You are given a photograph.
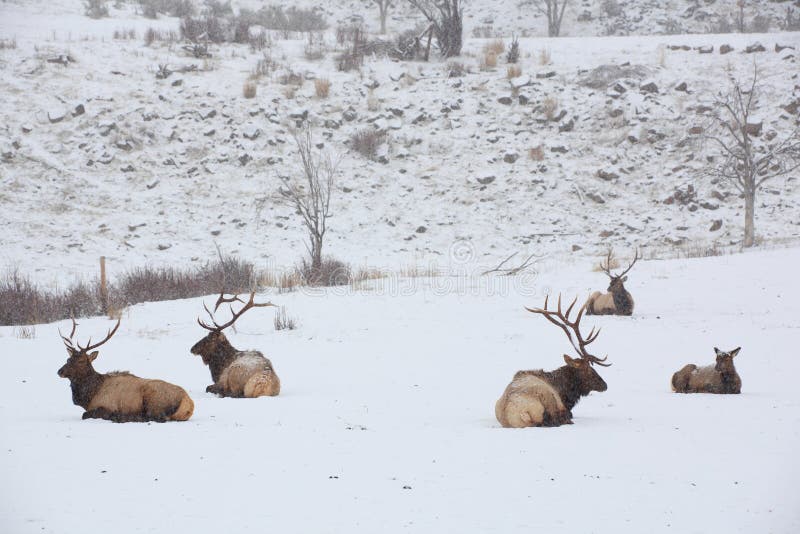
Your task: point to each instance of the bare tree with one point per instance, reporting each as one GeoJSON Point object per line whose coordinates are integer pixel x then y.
{"type": "Point", "coordinates": [310, 194]}
{"type": "Point", "coordinates": [446, 18]}
{"type": "Point", "coordinates": [748, 159]}
{"type": "Point", "coordinates": [383, 10]}
{"type": "Point", "coordinates": [554, 11]}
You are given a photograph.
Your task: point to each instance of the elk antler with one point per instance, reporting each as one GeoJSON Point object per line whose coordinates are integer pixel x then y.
{"type": "Point", "coordinates": [247, 305]}
{"type": "Point", "coordinates": [636, 258]}
{"type": "Point", "coordinates": [607, 267]}
{"type": "Point", "coordinates": [77, 346]}
{"type": "Point", "coordinates": [562, 321]}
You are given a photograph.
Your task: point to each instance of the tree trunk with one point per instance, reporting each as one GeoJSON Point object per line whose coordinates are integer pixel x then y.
{"type": "Point", "coordinates": [749, 211]}
{"type": "Point", "coordinates": [383, 21]}
{"type": "Point", "coordinates": [316, 255]}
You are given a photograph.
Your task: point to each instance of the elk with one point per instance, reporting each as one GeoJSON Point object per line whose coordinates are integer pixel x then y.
{"type": "Point", "coordinates": [719, 378]}
{"type": "Point", "coordinates": [119, 396]}
{"type": "Point", "coordinates": [617, 301]}
{"type": "Point", "coordinates": [546, 398]}
{"type": "Point", "coordinates": [235, 373]}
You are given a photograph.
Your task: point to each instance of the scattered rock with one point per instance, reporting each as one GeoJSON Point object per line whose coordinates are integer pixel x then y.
{"type": "Point", "coordinates": [78, 110]}
{"type": "Point", "coordinates": [755, 47]}
{"type": "Point", "coordinates": [682, 87]}
{"type": "Point", "coordinates": [607, 176]}
{"type": "Point", "coordinates": [521, 81]}
{"type": "Point", "coordinates": [510, 156]}
{"type": "Point", "coordinates": [524, 99]}
{"type": "Point", "coordinates": [208, 114]}
{"type": "Point", "coordinates": [709, 205]}
{"type": "Point", "coordinates": [708, 49]}
{"type": "Point", "coordinates": [251, 132]}
{"type": "Point", "coordinates": [559, 149]}
{"type": "Point", "coordinates": [421, 229]}
{"type": "Point", "coordinates": [682, 196]}
{"type": "Point", "coordinates": [780, 48]}
{"type": "Point", "coordinates": [649, 87]}
{"type": "Point", "coordinates": [545, 75]}
{"type": "Point", "coordinates": [486, 180]}
{"type": "Point", "coordinates": [163, 246]}
{"type": "Point", "coordinates": [505, 100]}
{"type": "Point", "coordinates": [595, 197]}
{"type": "Point", "coordinates": [127, 168]}
{"type": "Point", "coordinates": [56, 115]}
{"type": "Point", "coordinates": [567, 126]}
{"type": "Point", "coordinates": [576, 248]}
{"type": "Point", "coordinates": [716, 225]}
{"type": "Point", "coordinates": [244, 159]}
{"type": "Point", "coordinates": [753, 128]}
{"type": "Point", "coordinates": [349, 114]}
{"type": "Point", "coordinates": [696, 130]}
{"type": "Point", "coordinates": [725, 49]}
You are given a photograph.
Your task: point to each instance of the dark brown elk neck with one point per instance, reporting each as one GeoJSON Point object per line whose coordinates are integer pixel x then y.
{"type": "Point", "coordinates": [623, 301]}
{"type": "Point", "coordinates": [220, 358]}
{"type": "Point", "coordinates": [729, 378]}
{"type": "Point", "coordinates": [566, 381]}
{"type": "Point", "coordinates": [85, 387]}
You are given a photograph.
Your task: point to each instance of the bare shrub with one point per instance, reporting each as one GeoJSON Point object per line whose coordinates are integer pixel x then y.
{"type": "Point", "coordinates": [215, 8]}
{"type": "Point", "coordinates": [315, 48]}
{"type": "Point", "coordinates": [611, 8]}
{"type": "Point", "coordinates": [292, 78]}
{"type": "Point", "coordinates": [264, 67]}
{"type": "Point", "coordinates": [331, 272]}
{"type": "Point", "coordinates": [24, 302]}
{"type": "Point", "coordinates": [152, 35]}
{"type": "Point", "coordinates": [124, 34]}
{"type": "Point", "coordinates": [25, 332]}
{"type": "Point", "coordinates": [353, 57]}
{"type": "Point", "coordinates": [366, 142]}
{"type": "Point", "coordinates": [250, 89]}
{"type": "Point", "coordinates": [791, 22]}
{"type": "Point", "coordinates": [761, 23]}
{"type": "Point", "coordinates": [513, 71]}
{"type": "Point", "coordinates": [446, 20]}
{"type": "Point", "coordinates": [8, 44]}
{"type": "Point", "coordinates": [283, 321]}
{"type": "Point", "coordinates": [96, 9]}
{"type": "Point", "coordinates": [350, 33]}
{"type": "Point", "coordinates": [513, 51]}
{"type": "Point", "coordinates": [322, 87]}
{"type": "Point", "coordinates": [456, 69]}
{"type": "Point", "coordinates": [260, 41]}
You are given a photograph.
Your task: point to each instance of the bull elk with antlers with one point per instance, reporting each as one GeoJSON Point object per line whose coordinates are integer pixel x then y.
{"type": "Point", "coordinates": [546, 398]}
{"type": "Point", "coordinates": [236, 373]}
{"type": "Point", "coordinates": [617, 301]}
{"type": "Point", "coordinates": [120, 396]}
{"type": "Point", "coordinates": [719, 378]}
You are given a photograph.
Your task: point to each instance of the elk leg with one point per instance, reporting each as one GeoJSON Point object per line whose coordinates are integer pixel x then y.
{"type": "Point", "coordinates": [214, 388]}
{"type": "Point", "coordinates": [97, 413]}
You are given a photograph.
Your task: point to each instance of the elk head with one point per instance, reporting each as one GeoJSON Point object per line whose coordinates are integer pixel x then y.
{"type": "Point", "coordinates": [725, 360]}
{"type": "Point", "coordinates": [617, 280]}
{"type": "Point", "coordinates": [215, 339]}
{"type": "Point", "coordinates": [80, 358]}
{"type": "Point", "coordinates": [588, 378]}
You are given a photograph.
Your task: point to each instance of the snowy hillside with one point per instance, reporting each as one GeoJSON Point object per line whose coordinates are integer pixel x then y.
{"type": "Point", "coordinates": [385, 421]}
{"type": "Point", "coordinates": [100, 157]}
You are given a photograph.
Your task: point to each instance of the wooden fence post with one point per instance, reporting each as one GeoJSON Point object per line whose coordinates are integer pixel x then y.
{"type": "Point", "coordinates": [103, 285]}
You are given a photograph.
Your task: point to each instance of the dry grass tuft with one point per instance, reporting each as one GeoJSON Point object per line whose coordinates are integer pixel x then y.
{"type": "Point", "coordinates": [544, 56]}
{"type": "Point", "coordinates": [536, 153]}
{"type": "Point", "coordinates": [496, 47]}
{"type": "Point", "coordinates": [322, 87]}
{"type": "Point", "coordinates": [513, 71]}
{"type": "Point", "coordinates": [250, 89]}
{"type": "Point", "coordinates": [283, 321]}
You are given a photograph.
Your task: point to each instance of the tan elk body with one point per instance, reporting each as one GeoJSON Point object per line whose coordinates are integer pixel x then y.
{"type": "Point", "coordinates": [618, 301]}
{"type": "Point", "coordinates": [120, 396]}
{"type": "Point", "coordinates": [718, 378]}
{"type": "Point", "coordinates": [235, 373]}
{"type": "Point", "coordinates": [546, 398]}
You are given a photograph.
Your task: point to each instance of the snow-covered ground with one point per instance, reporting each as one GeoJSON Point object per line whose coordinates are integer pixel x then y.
{"type": "Point", "coordinates": [159, 171]}
{"type": "Point", "coordinates": [385, 421]}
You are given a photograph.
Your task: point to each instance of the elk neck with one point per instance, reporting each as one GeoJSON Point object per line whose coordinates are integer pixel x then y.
{"type": "Point", "coordinates": [85, 387]}
{"type": "Point", "coordinates": [567, 382]}
{"type": "Point", "coordinates": [623, 302]}
{"type": "Point", "coordinates": [220, 357]}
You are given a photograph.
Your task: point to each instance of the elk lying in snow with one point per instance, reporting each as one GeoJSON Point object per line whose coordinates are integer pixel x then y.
{"type": "Point", "coordinates": [235, 373]}
{"type": "Point", "coordinates": [719, 378]}
{"type": "Point", "coordinates": [546, 398]}
{"type": "Point", "coordinates": [617, 301]}
{"type": "Point", "coordinates": [120, 396]}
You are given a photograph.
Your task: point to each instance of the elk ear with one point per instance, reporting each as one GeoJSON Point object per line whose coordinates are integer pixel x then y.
{"type": "Point", "coordinates": [735, 351]}
{"type": "Point", "coordinates": [624, 278]}
{"type": "Point", "coordinates": [92, 355]}
{"type": "Point", "coordinates": [718, 352]}
{"type": "Point", "coordinates": [571, 361]}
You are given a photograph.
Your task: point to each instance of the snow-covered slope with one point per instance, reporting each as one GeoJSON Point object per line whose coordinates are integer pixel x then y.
{"type": "Point", "coordinates": [385, 421]}
{"type": "Point", "coordinates": [158, 171]}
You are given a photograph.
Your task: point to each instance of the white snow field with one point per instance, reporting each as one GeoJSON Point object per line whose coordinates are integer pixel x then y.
{"type": "Point", "coordinates": [385, 422]}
